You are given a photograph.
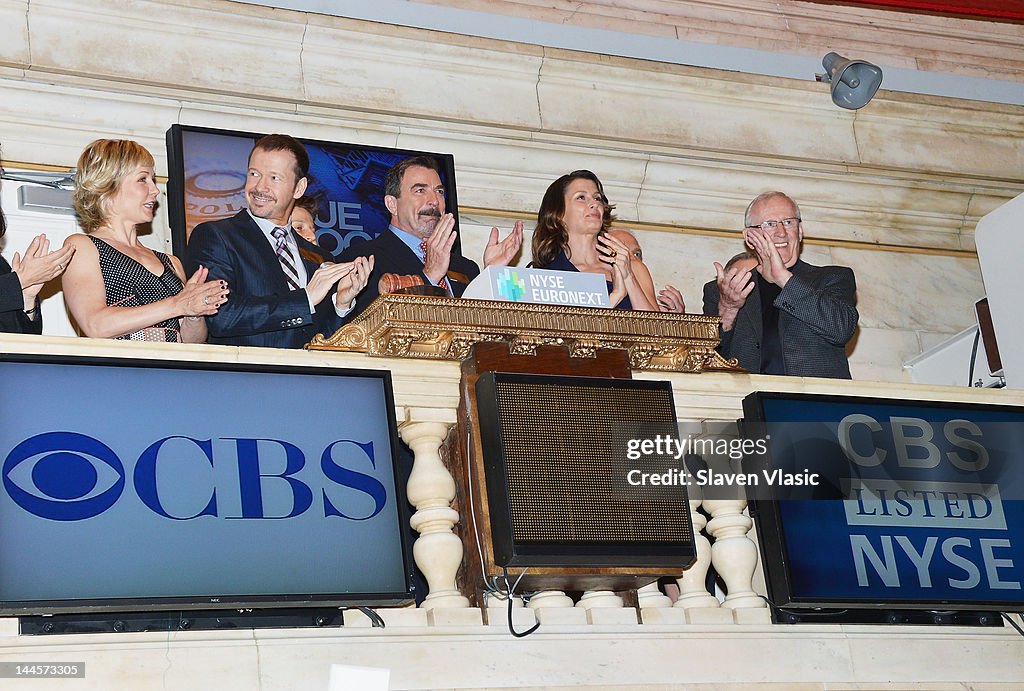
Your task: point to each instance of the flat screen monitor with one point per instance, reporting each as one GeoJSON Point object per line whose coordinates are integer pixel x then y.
{"type": "Point", "coordinates": [892, 504]}
{"type": "Point", "coordinates": [132, 485]}
{"type": "Point", "coordinates": [207, 183]}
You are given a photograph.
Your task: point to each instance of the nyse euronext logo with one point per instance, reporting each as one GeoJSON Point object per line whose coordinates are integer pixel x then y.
{"type": "Point", "coordinates": [67, 476]}
{"type": "Point", "coordinates": [510, 286]}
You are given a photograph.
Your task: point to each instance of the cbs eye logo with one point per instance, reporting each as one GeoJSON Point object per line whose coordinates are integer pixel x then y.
{"type": "Point", "coordinates": [63, 476]}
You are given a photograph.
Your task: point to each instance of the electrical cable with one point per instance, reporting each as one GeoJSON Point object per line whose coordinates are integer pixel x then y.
{"type": "Point", "coordinates": [815, 612]}
{"type": "Point", "coordinates": [491, 587]}
{"type": "Point", "coordinates": [375, 619]}
{"type": "Point", "coordinates": [511, 601]}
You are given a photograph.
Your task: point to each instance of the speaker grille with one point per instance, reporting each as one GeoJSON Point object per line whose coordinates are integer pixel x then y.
{"type": "Point", "coordinates": [559, 458]}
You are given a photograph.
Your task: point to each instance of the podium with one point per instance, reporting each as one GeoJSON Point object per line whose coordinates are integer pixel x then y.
{"type": "Point", "coordinates": [442, 328]}
{"type": "Point", "coordinates": [530, 340]}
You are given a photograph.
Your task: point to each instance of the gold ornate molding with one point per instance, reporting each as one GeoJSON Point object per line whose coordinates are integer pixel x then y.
{"type": "Point", "coordinates": [438, 328]}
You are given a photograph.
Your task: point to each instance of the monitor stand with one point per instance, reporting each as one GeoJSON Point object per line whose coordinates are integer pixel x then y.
{"type": "Point", "coordinates": [182, 620]}
{"type": "Point", "coordinates": [917, 617]}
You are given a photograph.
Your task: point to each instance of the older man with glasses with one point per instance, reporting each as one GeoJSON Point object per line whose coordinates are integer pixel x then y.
{"type": "Point", "coordinates": [783, 316]}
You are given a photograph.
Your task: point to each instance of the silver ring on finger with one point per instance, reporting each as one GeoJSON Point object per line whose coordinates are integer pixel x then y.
{"type": "Point", "coordinates": [206, 300]}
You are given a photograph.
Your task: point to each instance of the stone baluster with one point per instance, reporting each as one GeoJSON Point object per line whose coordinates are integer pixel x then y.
{"type": "Point", "coordinates": [599, 598]}
{"type": "Point", "coordinates": [605, 607]}
{"type": "Point", "coordinates": [551, 598]}
{"type": "Point", "coordinates": [649, 596]}
{"type": "Point", "coordinates": [693, 592]}
{"type": "Point", "coordinates": [497, 613]}
{"type": "Point", "coordinates": [733, 554]}
{"type": "Point", "coordinates": [554, 607]}
{"type": "Point", "coordinates": [431, 489]}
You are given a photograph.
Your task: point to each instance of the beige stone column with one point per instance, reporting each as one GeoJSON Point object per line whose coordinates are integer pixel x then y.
{"type": "Point", "coordinates": [650, 596]}
{"type": "Point", "coordinates": [431, 489]}
{"type": "Point", "coordinates": [693, 592]}
{"type": "Point", "coordinates": [733, 554]}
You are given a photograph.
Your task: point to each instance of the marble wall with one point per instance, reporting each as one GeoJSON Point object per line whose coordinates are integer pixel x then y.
{"type": "Point", "coordinates": [893, 190]}
{"type": "Point", "coordinates": [899, 39]}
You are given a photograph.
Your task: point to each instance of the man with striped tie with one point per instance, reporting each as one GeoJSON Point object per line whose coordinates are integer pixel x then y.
{"type": "Point", "coordinates": [282, 292]}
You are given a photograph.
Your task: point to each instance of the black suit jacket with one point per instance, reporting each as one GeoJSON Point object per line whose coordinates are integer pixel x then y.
{"type": "Point", "coordinates": [12, 317]}
{"type": "Point", "coordinates": [392, 256]}
{"type": "Point", "coordinates": [817, 317]}
{"type": "Point", "coordinates": [261, 310]}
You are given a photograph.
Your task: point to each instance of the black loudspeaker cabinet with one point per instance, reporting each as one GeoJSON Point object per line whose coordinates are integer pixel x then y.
{"type": "Point", "coordinates": [557, 473]}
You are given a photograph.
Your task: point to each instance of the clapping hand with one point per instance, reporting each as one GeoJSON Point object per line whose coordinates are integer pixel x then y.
{"type": "Point", "coordinates": [39, 265]}
{"type": "Point", "coordinates": [734, 286]}
{"type": "Point", "coordinates": [323, 280]}
{"type": "Point", "coordinates": [613, 252]}
{"type": "Point", "coordinates": [352, 283]}
{"type": "Point", "coordinates": [502, 253]}
{"type": "Point", "coordinates": [202, 298]}
{"type": "Point", "coordinates": [771, 267]}
{"type": "Point", "coordinates": [438, 254]}
{"type": "Point", "coordinates": [671, 300]}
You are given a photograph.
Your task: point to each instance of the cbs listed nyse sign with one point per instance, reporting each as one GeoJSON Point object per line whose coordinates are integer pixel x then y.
{"type": "Point", "coordinates": [931, 498]}
{"type": "Point", "coordinates": [962, 507]}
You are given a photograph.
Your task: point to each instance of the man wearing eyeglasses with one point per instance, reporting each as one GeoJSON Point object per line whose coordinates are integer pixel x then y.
{"type": "Point", "coordinates": [783, 316]}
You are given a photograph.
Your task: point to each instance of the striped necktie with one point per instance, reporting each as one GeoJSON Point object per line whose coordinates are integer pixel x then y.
{"type": "Point", "coordinates": [285, 257]}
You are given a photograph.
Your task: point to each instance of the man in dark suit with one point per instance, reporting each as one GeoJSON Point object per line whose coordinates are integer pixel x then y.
{"type": "Point", "coordinates": [282, 291]}
{"type": "Point", "coordinates": [783, 316]}
{"type": "Point", "coordinates": [421, 235]}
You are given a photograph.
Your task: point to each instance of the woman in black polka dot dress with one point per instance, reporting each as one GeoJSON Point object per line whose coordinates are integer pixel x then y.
{"type": "Point", "coordinates": [115, 287]}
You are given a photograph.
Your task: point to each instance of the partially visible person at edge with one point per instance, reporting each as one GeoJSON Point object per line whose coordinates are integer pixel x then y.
{"type": "Point", "coordinates": [669, 297]}
{"type": "Point", "coordinates": [572, 235]}
{"type": "Point", "coordinates": [671, 300]}
{"type": "Point", "coordinates": [23, 278]}
{"type": "Point", "coordinates": [303, 218]}
{"type": "Point", "coordinates": [116, 287]}
{"type": "Point", "coordinates": [793, 318]}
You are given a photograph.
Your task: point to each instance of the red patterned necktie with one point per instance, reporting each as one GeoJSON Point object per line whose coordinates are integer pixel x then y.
{"type": "Point", "coordinates": [285, 257]}
{"type": "Point", "coordinates": [444, 281]}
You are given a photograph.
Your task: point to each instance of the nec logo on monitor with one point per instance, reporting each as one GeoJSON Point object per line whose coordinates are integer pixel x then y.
{"type": "Point", "coordinates": [67, 476]}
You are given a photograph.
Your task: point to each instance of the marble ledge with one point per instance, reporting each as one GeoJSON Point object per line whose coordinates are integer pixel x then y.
{"type": "Point", "coordinates": [473, 625]}
{"type": "Point", "coordinates": [725, 389]}
{"type": "Point", "coordinates": [410, 415]}
{"type": "Point", "coordinates": [873, 203]}
{"type": "Point", "coordinates": [522, 617]}
{"type": "Point", "coordinates": [883, 36]}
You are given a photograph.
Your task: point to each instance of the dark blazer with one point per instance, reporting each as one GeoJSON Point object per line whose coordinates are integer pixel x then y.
{"type": "Point", "coordinates": [261, 310]}
{"type": "Point", "coordinates": [12, 304]}
{"type": "Point", "coordinates": [392, 256]}
{"type": "Point", "coordinates": [817, 317]}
